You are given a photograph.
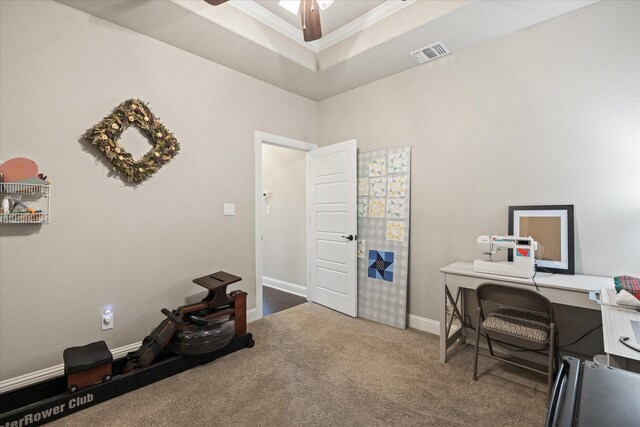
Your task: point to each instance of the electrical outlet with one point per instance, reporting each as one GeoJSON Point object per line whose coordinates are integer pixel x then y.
{"type": "Point", "coordinates": [107, 320]}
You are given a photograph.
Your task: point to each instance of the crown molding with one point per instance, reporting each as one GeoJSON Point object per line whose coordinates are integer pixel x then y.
{"type": "Point", "coordinates": [360, 23]}
{"type": "Point", "coordinates": [270, 19]}
{"type": "Point", "coordinates": [273, 21]}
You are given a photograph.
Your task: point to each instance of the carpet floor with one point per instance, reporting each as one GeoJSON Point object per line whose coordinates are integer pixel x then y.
{"type": "Point", "coordinates": [312, 366]}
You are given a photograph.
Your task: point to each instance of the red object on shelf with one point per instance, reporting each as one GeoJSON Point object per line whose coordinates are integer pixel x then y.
{"type": "Point", "coordinates": [18, 168]}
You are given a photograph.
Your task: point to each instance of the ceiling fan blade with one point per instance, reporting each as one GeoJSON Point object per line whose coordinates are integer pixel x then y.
{"type": "Point", "coordinates": [310, 15]}
{"type": "Point", "coordinates": [215, 2]}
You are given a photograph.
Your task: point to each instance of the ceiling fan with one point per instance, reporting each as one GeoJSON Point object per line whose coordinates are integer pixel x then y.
{"type": "Point", "coordinates": [309, 15]}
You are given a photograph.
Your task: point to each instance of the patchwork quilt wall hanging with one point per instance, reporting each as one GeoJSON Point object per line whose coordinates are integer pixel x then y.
{"type": "Point", "coordinates": [383, 235]}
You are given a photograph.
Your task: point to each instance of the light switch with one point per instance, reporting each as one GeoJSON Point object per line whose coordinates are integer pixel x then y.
{"type": "Point", "coordinates": [268, 210]}
{"type": "Point", "coordinates": [229, 209]}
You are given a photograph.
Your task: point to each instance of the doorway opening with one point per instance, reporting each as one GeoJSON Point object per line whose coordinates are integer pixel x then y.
{"type": "Point", "coordinates": [282, 222]}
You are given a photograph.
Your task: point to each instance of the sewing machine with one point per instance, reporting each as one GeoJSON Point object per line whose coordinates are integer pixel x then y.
{"type": "Point", "coordinates": [523, 264]}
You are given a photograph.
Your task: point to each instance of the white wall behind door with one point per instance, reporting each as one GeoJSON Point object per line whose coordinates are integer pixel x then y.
{"type": "Point", "coordinates": [284, 231]}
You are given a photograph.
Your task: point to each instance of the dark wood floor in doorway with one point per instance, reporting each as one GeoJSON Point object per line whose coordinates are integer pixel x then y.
{"type": "Point", "coordinates": [275, 300]}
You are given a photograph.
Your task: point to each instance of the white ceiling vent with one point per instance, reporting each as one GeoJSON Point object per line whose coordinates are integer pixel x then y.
{"type": "Point", "coordinates": [429, 53]}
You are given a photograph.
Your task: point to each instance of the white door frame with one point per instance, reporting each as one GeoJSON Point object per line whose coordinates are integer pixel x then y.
{"type": "Point", "coordinates": [281, 141]}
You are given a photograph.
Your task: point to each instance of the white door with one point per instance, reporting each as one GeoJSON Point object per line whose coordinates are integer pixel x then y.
{"type": "Point", "coordinates": [333, 227]}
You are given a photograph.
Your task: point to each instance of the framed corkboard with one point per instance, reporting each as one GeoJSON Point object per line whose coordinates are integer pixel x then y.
{"type": "Point", "coordinates": [552, 227]}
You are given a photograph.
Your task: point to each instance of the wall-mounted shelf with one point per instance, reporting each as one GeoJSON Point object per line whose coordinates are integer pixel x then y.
{"type": "Point", "coordinates": [26, 193]}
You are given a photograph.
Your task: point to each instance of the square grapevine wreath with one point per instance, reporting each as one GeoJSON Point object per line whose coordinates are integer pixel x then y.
{"type": "Point", "coordinates": [107, 132]}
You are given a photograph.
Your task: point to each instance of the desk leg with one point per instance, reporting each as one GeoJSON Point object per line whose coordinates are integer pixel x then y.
{"type": "Point", "coordinates": [447, 321]}
{"type": "Point", "coordinates": [443, 320]}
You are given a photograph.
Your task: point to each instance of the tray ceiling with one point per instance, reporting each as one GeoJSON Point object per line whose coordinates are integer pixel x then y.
{"type": "Point", "coordinates": [363, 40]}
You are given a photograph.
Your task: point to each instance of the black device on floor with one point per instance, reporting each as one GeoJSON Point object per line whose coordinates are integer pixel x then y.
{"type": "Point", "coordinates": [588, 394]}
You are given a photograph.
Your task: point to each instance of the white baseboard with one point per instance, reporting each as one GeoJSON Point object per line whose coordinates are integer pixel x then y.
{"type": "Point", "coordinates": [281, 285]}
{"type": "Point", "coordinates": [252, 315]}
{"type": "Point", "coordinates": [55, 371]}
{"type": "Point", "coordinates": [424, 324]}
{"type": "Point", "coordinates": [427, 325]}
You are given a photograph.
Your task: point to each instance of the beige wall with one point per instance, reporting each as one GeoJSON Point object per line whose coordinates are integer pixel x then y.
{"type": "Point", "coordinates": [134, 247]}
{"type": "Point", "coordinates": [284, 230]}
{"type": "Point", "coordinates": [547, 115]}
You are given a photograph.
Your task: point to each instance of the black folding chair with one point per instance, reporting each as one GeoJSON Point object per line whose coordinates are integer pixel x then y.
{"type": "Point", "coordinates": [524, 318]}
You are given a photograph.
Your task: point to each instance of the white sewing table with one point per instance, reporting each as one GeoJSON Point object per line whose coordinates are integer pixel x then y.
{"type": "Point", "coordinates": [572, 290]}
{"type": "Point", "coordinates": [617, 322]}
